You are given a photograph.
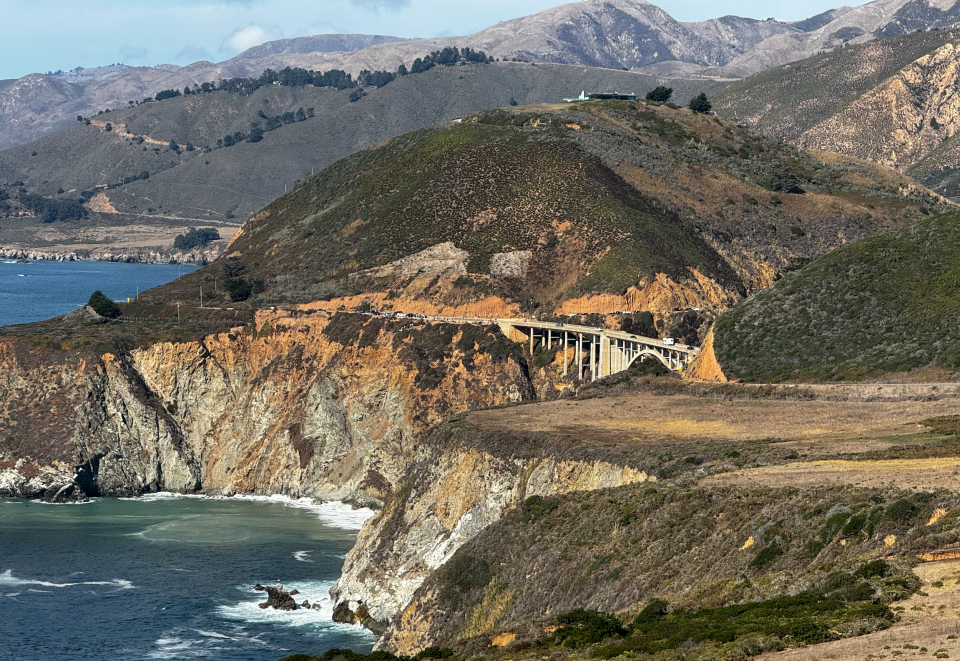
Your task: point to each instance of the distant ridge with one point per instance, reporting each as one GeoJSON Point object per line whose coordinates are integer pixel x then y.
{"type": "Point", "coordinates": [618, 34]}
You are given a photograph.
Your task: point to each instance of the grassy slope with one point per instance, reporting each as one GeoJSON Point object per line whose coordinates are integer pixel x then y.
{"type": "Point", "coordinates": [614, 550]}
{"type": "Point", "coordinates": [884, 304]}
{"type": "Point", "coordinates": [786, 101]}
{"type": "Point", "coordinates": [602, 195]}
{"type": "Point", "coordinates": [244, 178]}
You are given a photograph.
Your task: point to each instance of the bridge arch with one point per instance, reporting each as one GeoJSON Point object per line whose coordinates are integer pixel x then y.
{"type": "Point", "coordinates": [650, 352]}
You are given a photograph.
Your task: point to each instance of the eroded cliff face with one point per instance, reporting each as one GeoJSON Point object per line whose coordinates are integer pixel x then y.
{"type": "Point", "coordinates": [276, 407]}
{"type": "Point", "coordinates": [909, 116]}
{"type": "Point", "coordinates": [347, 409]}
{"type": "Point", "coordinates": [462, 481]}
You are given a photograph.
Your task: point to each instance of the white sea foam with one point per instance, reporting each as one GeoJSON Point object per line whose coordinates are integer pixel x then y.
{"type": "Point", "coordinates": [333, 513]}
{"type": "Point", "coordinates": [181, 643]}
{"type": "Point", "coordinates": [302, 556]}
{"type": "Point", "coordinates": [88, 501]}
{"type": "Point", "coordinates": [316, 592]}
{"type": "Point", "coordinates": [7, 578]}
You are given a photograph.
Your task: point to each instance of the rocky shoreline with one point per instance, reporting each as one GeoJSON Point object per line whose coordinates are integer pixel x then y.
{"type": "Point", "coordinates": [134, 255]}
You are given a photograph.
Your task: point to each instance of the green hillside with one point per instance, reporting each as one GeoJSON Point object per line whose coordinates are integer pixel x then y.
{"type": "Point", "coordinates": [602, 196]}
{"type": "Point", "coordinates": [218, 182]}
{"type": "Point", "coordinates": [885, 304]}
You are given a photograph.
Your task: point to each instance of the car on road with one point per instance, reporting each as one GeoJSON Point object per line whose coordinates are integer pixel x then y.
{"type": "Point", "coordinates": [559, 325]}
{"type": "Point", "coordinates": [669, 341]}
{"type": "Point", "coordinates": [690, 347]}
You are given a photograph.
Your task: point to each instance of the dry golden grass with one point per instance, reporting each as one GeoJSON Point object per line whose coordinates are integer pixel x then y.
{"type": "Point", "coordinates": [924, 474]}
{"type": "Point", "coordinates": [828, 427]}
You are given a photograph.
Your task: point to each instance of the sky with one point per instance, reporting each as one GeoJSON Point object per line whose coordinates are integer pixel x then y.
{"type": "Point", "coordinates": [47, 35]}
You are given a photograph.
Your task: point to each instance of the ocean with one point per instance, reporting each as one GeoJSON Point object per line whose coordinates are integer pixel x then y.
{"type": "Point", "coordinates": [42, 290]}
{"type": "Point", "coordinates": [170, 577]}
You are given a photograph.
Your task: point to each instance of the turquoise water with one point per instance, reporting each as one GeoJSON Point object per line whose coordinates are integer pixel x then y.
{"type": "Point", "coordinates": [165, 577]}
{"type": "Point", "coordinates": [42, 290]}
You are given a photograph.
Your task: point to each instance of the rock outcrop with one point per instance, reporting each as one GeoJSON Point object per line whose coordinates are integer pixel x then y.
{"type": "Point", "coordinates": [277, 597]}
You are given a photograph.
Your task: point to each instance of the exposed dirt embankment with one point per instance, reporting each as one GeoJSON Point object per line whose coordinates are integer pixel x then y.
{"type": "Point", "coordinates": [290, 404]}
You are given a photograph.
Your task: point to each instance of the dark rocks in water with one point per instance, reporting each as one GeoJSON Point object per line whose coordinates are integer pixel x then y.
{"type": "Point", "coordinates": [294, 592]}
{"type": "Point", "coordinates": [277, 597]}
{"type": "Point", "coordinates": [64, 493]}
{"type": "Point", "coordinates": [305, 604]}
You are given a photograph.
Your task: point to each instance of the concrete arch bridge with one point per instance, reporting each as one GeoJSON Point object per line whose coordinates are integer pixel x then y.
{"type": "Point", "coordinates": [597, 352]}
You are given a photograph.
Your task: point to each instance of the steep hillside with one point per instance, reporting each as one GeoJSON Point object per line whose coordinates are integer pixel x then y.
{"type": "Point", "coordinates": [623, 34]}
{"type": "Point", "coordinates": [212, 183]}
{"type": "Point", "coordinates": [596, 206]}
{"type": "Point", "coordinates": [881, 305]}
{"type": "Point", "coordinates": [892, 102]}
{"type": "Point", "coordinates": [787, 101]}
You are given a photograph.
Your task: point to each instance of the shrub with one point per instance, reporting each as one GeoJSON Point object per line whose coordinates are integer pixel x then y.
{"type": "Point", "coordinates": [239, 289]}
{"type": "Point", "coordinates": [700, 104]}
{"type": "Point", "coordinates": [766, 555]}
{"type": "Point", "coordinates": [655, 610]}
{"type": "Point", "coordinates": [879, 568]}
{"type": "Point", "coordinates": [586, 627]}
{"type": "Point", "coordinates": [660, 94]}
{"type": "Point", "coordinates": [536, 507]}
{"type": "Point", "coordinates": [901, 511]}
{"type": "Point", "coordinates": [103, 305]}
{"type": "Point", "coordinates": [462, 575]}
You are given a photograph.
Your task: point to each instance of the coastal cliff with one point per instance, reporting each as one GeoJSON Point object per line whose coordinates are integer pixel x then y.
{"type": "Point", "coordinates": [292, 404]}
{"type": "Point", "coordinates": [462, 481]}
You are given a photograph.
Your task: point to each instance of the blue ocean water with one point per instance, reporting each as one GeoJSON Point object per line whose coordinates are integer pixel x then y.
{"type": "Point", "coordinates": [168, 577]}
{"type": "Point", "coordinates": [41, 290]}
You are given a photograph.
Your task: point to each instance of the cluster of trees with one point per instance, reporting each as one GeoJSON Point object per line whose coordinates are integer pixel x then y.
{"type": "Point", "coordinates": [264, 124]}
{"type": "Point", "coordinates": [49, 210]}
{"type": "Point", "coordinates": [447, 57]}
{"type": "Point", "coordinates": [698, 104]}
{"type": "Point", "coordinates": [336, 78]}
{"type": "Point", "coordinates": [103, 305]}
{"type": "Point", "coordinates": [196, 238]}
{"type": "Point", "coordinates": [143, 174]}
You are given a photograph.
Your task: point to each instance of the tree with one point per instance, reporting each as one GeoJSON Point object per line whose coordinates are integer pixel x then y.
{"type": "Point", "coordinates": [174, 146]}
{"type": "Point", "coordinates": [103, 305]}
{"type": "Point", "coordinates": [660, 94]}
{"type": "Point", "coordinates": [232, 267]}
{"type": "Point", "coordinates": [402, 70]}
{"type": "Point", "coordinates": [239, 289]}
{"type": "Point", "coordinates": [356, 95]}
{"type": "Point", "coordinates": [700, 104]}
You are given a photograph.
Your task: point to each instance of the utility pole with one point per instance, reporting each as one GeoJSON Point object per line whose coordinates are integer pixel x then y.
{"type": "Point", "coordinates": [178, 313]}
{"type": "Point", "coordinates": [201, 297]}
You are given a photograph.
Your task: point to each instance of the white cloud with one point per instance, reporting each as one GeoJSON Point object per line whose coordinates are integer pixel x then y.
{"type": "Point", "coordinates": [253, 35]}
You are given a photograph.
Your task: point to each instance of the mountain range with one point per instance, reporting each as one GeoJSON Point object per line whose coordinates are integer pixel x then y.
{"type": "Point", "coordinates": [892, 101]}
{"type": "Point", "coordinates": [631, 34]}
